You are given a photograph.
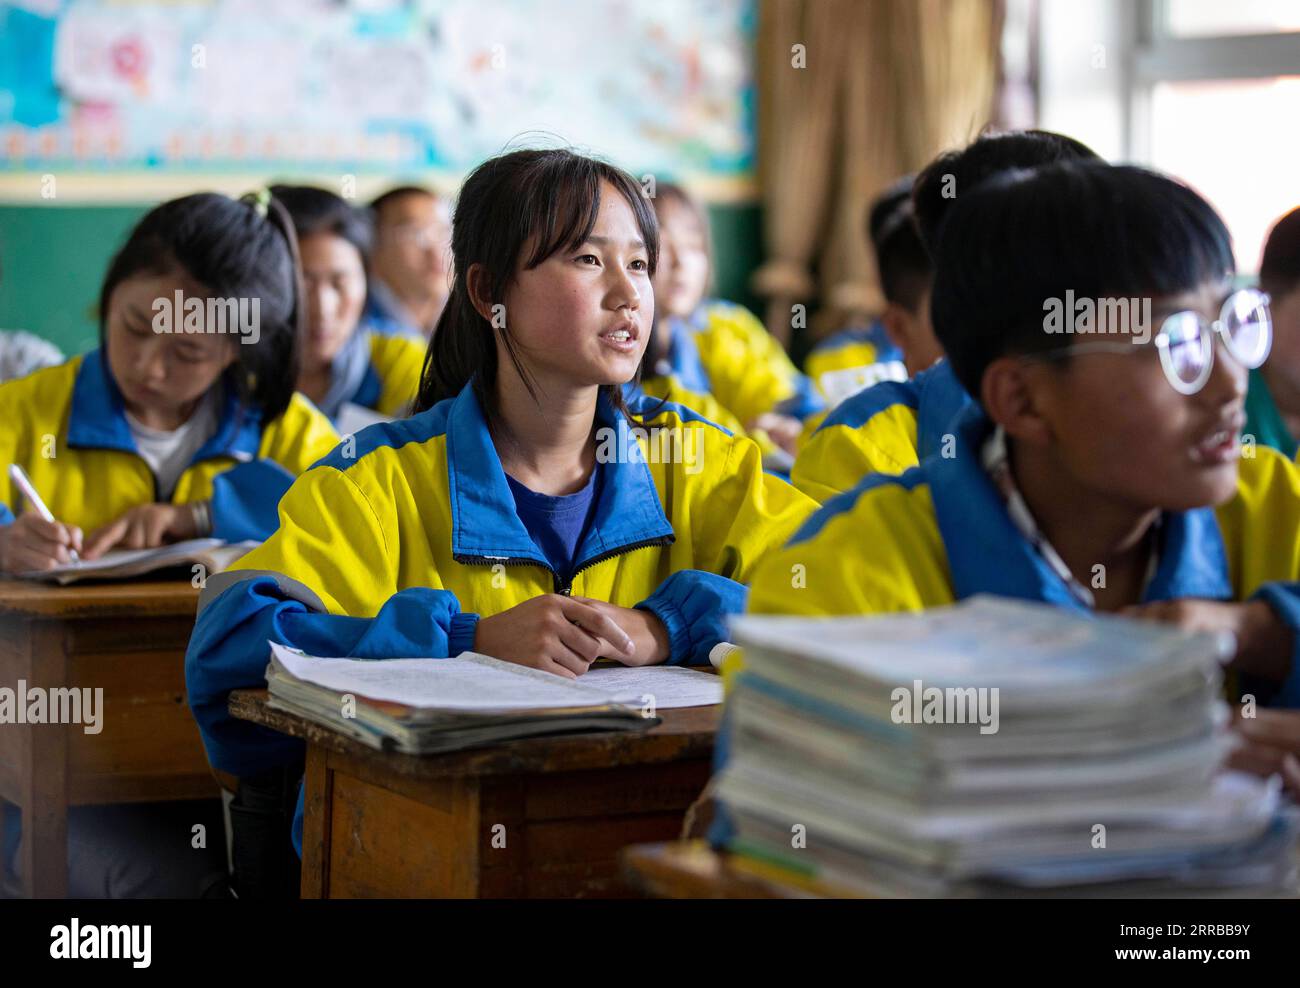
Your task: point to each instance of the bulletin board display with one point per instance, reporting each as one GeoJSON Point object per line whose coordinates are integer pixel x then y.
{"type": "Point", "coordinates": [105, 88]}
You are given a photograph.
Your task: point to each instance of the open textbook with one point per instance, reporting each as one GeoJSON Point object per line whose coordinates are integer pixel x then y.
{"type": "Point", "coordinates": [214, 555]}
{"type": "Point", "coordinates": [423, 706]}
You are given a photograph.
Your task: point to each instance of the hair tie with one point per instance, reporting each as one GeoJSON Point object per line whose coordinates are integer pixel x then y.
{"type": "Point", "coordinates": [259, 200]}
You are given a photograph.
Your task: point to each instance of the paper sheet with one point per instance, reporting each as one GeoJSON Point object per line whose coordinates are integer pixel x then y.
{"type": "Point", "coordinates": [477, 682]}
{"type": "Point", "coordinates": [667, 686]}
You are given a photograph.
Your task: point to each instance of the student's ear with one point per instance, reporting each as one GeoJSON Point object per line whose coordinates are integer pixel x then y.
{"type": "Point", "coordinates": [895, 320]}
{"type": "Point", "coordinates": [476, 283]}
{"type": "Point", "coordinates": [1010, 393]}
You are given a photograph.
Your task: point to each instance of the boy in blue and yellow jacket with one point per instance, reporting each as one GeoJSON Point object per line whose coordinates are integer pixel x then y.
{"type": "Point", "coordinates": [891, 426]}
{"type": "Point", "coordinates": [1102, 473]}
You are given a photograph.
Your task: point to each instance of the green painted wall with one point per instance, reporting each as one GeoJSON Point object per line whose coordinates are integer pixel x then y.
{"type": "Point", "coordinates": [53, 257]}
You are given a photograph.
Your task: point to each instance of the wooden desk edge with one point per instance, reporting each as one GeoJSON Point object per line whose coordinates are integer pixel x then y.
{"type": "Point", "coordinates": [678, 738]}
{"type": "Point", "coordinates": [151, 598]}
{"type": "Point", "coordinates": [693, 870]}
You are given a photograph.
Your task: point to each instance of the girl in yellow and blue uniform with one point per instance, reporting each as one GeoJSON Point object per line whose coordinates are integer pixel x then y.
{"type": "Point", "coordinates": [179, 424]}
{"type": "Point", "coordinates": [891, 426]}
{"type": "Point", "coordinates": [349, 358]}
{"type": "Point", "coordinates": [176, 426]}
{"type": "Point", "coordinates": [524, 511]}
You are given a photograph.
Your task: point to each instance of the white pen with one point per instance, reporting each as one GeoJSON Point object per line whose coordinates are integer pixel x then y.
{"type": "Point", "coordinates": [24, 484]}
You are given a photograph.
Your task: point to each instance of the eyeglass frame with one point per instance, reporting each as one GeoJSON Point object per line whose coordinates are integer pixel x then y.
{"type": "Point", "coordinates": [1208, 330]}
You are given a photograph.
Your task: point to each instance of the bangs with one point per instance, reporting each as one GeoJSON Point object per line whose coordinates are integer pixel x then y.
{"type": "Point", "coordinates": [562, 202]}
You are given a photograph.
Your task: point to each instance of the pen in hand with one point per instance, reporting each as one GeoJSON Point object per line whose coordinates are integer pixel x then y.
{"type": "Point", "coordinates": [24, 484]}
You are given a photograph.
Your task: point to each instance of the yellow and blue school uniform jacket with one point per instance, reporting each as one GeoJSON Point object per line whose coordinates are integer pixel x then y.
{"type": "Point", "coordinates": [376, 371]}
{"type": "Point", "coordinates": [888, 428]}
{"type": "Point", "coordinates": [397, 546]}
{"type": "Point", "coordinates": [853, 359]}
{"type": "Point", "coordinates": [941, 532]}
{"type": "Point", "coordinates": [748, 371]}
{"type": "Point", "coordinates": [66, 426]}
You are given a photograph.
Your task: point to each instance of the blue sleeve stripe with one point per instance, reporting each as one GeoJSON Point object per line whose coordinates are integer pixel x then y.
{"type": "Point", "coordinates": [842, 503]}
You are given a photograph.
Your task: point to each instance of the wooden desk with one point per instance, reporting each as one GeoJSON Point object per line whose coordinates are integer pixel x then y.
{"type": "Point", "coordinates": [692, 870]}
{"type": "Point", "coordinates": [128, 639]}
{"type": "Point", "coordinates": [398, 826]}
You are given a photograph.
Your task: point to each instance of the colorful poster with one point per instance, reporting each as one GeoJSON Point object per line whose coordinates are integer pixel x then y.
{"type": "Point", "coordinates": [374, 86]}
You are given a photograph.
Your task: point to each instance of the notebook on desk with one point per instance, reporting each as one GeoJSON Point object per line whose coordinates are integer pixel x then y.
{"type": "Point", "coordinates": [424, 706]}
{"type": "Point", "coordinates": [214, 555]}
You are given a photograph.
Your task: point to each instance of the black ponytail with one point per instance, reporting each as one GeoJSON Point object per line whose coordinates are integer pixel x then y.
{"type": "Point", "coordinates": [547, 198]}
{"type": "Point", "coordinates": [242, 248]}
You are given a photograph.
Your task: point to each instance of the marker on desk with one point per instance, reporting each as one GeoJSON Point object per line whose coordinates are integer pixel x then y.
{"type": "Point", "coordinates": [20, 479]}
{"type": "Point", "coordinates": [719, 652]}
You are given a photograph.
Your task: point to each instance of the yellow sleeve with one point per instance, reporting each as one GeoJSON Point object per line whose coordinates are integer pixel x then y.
{"type": "Point", "coordinates": [837, 457]}
{"type": "Point", "coordinates": [1261, 524]}
{"type": "Point", "coordinates": [748, 370]}
{"type": "Point", "coordinates": [738, 513]}
{"type": "Point", "coordinates": [299, 437]}
{"type": "Point", "coordinates": [332, 539]}
{"type": "Point", "coordinates": [398, 361]}
{"type": "Point", "coordinates": [883, 554]}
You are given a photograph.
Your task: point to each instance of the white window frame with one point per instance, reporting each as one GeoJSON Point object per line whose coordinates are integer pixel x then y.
{"type": "Point", "coordinates": [1157, 56]}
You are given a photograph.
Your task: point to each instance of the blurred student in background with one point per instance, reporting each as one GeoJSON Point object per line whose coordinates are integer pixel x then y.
{"type": "Point", "coordinates": [1273, 401]}
{"type": "Point", "coordinates": [410, 267]}
{"type": "Point", "coordinates": [747, 370]}
{"type": "Point", "coordinates": [901, 342]}
{"type": "Point", "coordinates": [891, 426]}
{"type": "Point", "coordinates": [348, 367]}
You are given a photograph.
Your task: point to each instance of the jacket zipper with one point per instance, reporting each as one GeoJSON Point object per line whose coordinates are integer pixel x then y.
{"type": "Point", "coordinates": [562, 586]}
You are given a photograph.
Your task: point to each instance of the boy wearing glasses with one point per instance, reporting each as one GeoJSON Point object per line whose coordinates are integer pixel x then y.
{"type": "Point", "coordinates": [410, 266]}
{"type": "Point", "coordinates": [1095, 472]}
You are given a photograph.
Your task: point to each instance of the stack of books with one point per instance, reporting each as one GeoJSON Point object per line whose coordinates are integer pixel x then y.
{"type": "Point", "coordinates": [993, 747]}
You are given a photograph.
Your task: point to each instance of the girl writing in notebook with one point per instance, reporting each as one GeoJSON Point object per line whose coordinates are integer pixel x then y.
{"type": "Point", "coordinates": [184, 421]}
{"type": "Point", "coordinates": [526, 511]}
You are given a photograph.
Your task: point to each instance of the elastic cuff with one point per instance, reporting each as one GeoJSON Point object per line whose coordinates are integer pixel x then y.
{"type": "Point", "coordinates": [202, 514]}
{"type": "Point", "coordinates": [674, 622]}
{"type": "Point", "coordinates": [1284, 599]}
{"type": "Point", "coordinates": [460, 637]}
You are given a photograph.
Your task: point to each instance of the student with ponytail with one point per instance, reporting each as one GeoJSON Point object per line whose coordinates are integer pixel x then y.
{"type": "Point", "coordinates": [526, 510]}
{"type": "Point", "coordinates": [184, 421]}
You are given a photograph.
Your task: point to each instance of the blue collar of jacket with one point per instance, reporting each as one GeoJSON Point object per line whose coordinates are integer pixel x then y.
{"type": "Point", "coordinates": [97, 419]}
{"type": "Point", "coordinates": [939, 399]}
{"type": "Point", "coordinates": [485, 524]}
{"type": "Point", "coordinates": [988, 554]}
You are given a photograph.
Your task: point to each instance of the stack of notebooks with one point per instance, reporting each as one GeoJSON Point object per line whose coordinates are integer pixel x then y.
{"type": "Point", "coordinates": [428, 706]}
{"type": "Point", "coordinates": [995, 747]}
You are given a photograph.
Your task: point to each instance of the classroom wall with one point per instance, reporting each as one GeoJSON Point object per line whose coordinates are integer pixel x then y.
{"type": "Point", "coordinates": [53, 257]}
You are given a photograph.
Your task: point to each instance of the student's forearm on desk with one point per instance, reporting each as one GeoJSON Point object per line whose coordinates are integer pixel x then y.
{"type": "Point", "coordinates": [229, 651]}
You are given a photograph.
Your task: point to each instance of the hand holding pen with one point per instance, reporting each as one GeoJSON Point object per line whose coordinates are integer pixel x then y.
{"type": "Point", "coordinates": [34, 541]}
